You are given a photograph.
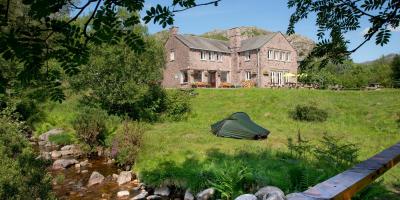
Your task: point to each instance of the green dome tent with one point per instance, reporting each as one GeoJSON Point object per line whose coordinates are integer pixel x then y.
{"type": "Point", "coordinates": [239, 125]}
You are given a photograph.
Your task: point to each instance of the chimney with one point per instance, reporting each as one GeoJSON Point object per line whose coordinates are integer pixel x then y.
{"type": "Point", "coordinates": [235, 38]}
{"type": "Point", "coordinates": [174, 31]}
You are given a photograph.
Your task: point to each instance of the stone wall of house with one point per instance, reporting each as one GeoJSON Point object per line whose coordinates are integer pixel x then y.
{"type": "Point", "coordinates": [279, 42]}
{"type": "Point", "coordinates": [172, 75]}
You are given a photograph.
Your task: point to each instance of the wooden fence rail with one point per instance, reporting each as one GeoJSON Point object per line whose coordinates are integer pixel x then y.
{"type": "Point", "coordinates": [344, 185]}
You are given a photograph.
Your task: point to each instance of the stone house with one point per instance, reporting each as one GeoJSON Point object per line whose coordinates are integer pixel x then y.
{"type": "Point", "coordinates": [267, 60]}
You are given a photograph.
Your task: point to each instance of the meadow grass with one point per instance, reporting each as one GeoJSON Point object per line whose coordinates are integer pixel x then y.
{"type": "Point", "coordinates": [174, 151]}
{"type": "Point", "coordinates": [186, 153]}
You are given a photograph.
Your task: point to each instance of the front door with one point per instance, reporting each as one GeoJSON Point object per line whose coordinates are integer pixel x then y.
{"type": "Point", "coordinates": [212, 79]}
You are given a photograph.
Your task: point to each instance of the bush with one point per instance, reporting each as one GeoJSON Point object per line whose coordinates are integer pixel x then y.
{"type": "Point", "coordinates": [22, 176]}
{"type": "Point", "coordinates": [309, 113]}
{"type": "Point", "coordinates": [127, 142]}
{"type": "Point", "coordinates": [90, 127]}
{"type": "Point", "coordinates": [300, 148]}
{"type": "Point", "coordinates": [178, 105]}
{"type": "Point", "coordinates": [61, 139]}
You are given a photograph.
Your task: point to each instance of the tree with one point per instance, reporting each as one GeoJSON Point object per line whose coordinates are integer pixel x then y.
{"type": "Point", "coordinates": [396, 71]}
{"type": "Point", "coordinates": [36, 31]}
{"type": "Point", "coordinates": [337, 17]}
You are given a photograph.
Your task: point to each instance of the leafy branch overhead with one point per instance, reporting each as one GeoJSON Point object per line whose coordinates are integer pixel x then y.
{"type": "Point", "coordinates": [36, 31]}
{"type": "Point", "coordinates": [338, 17]}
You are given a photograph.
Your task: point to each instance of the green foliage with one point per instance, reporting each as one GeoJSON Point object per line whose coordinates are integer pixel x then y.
{"type": "Point", "coordinates": [396, 71]}
{"type": "Point", "coordinates": [127, 142]}
{"type": "Point", "coordinates": [309, 113]}
{"type": "Point", "coordinates": [61, 139]}
{"type": "Point", "coordinates": [347, 15]}
{"type": "Point", "coordinates": [300, 148]}
{"type": "Point", "coordinates": [336, 154]}
{"type": "Point", "coordinates": [232, 180]}
{"type": "Point", "coordinates": [178, 105]}
{"type": "Point", "coordinates": [90, 127]}
{"type": "Point", "coordinates": [22, 176]}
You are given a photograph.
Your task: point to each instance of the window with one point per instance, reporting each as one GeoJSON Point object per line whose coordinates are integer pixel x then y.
{"type": "Point", "coordinates": [282, 56]}
{"type": "Point", "coordinates": [184, 76]}
{"type": "Point", "coordinates": [172, 55]}
{"type": "Point", "coordinates": [213, 56]}
{"type": "Point", "coordinates": [247, 76]}
{"type": "Point", "coordinates": [270, 54]}
{"type": "Point", "coordinates": [277, 54]}
{"type": "Point", "coordinates": [219, 56]}
{"type": "Point", "coordinates": [224, 77]}
{"type": "Point", "coordinates": [247, 56]}
{"type": "Point", "coordinates": [288, 56]}
{"type": "Point", "coordinates": [197, 76]}
{"type": "Point", "coordinates": [203, 55]}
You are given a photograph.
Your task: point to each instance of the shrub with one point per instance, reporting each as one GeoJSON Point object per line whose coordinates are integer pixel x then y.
{"type": "Point", "coordinates": [90, 127]}
{"type": "Point", "coordinates": [178, 105]}
{"type": "Point", "coordinates": [300, 148]}
{"type": "Point", "coordinates": [61, 139]}
{"type": "Point", "coordinates": [336, 154]}
{"type": "Point", "coordinates": [309, 113]}
{"type": "Point", "coordinates": [127, 142]}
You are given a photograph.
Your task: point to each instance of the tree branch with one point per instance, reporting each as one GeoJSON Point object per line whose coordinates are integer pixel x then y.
{"type": "Point", "coordinates": [354, 7]}
{"type": "Point", "coordinates": [90, 19]}
{"type": "Point", "coordinates": [197, 5]}
{"type": "Point", "coordinates": [7, 9]}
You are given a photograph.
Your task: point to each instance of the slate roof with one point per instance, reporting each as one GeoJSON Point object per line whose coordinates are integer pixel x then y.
{"type": "Point", "coordinates": [201, 43]}
{"type": "Point", "coordinates": [256, 42]}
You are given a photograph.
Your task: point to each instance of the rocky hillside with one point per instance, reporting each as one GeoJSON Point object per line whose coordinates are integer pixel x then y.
{"type": "Point", "coordinates": [384, 59]}
{"type": "Point", "coordinates": [302, 44]}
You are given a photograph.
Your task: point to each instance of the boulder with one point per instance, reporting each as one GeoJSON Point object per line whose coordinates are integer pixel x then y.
{"type": "Point", "coordinates": [95, 178]}
{"type": "Point", "coordinates": [124, 177]}
{"type": "Point", "coordinates": [246, 197]}
{"type": "Point", "coordinates": [84, 171]}
{"type": "Point", "coordinates": [205, 194]}
{"type": "Point", "coordinates": [140, 196]}
{"type": "Point", "coordinates": [188, 195]}
{"type": "Point", "coordinates": [68, 147]}
{"type": "Point", "coordinates": [115, 177]}
{"type": "Point", "coordinates": [162, 191]}
{"type": "Point", "coordinates": [63, 163]}
{"type": "Point", "coordinates": [77, 166]}
{"type": "Point", "coordinates": [55, 154]}
{"type": "Point", "coordinates": [124, 193]}
{"type": "Point", "coordinates": [45, 155]}
{"type": "Point", "coordinates": [84, 163]}
{"type": "Point", "coordinates": [268, 191]}
{"type": "Point", "coordinates": [67, 152]}
{"type": "Point", "coordinates": [153, 197]}
{"type": "Point", "coordinates": [274, 196]}
{"type": "Point", "coordinates": [45, 136]}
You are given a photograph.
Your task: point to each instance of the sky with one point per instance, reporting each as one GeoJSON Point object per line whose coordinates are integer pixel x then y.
{"type": "Point", "coordinates": [271, 15]}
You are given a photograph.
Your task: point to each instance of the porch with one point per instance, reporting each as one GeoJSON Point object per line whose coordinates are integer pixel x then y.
{"type": "Point", "coordinates": [207, 78]}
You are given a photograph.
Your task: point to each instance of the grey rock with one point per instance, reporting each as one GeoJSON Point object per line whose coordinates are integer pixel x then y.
{"type": "Point", "coordinates": [68, 147]}
{"type": "Point", "coordinates": [246, 197]}
{"type": "Point", "coordinates": [268, 191]}
{"type": "Point", "coordinates": [140, 196]}
{"type": "Point", "coordinates": [55, 154]}
{"type": "Point", "coordinates": [124, 193]}
{"type": "Point", "coordinates": [67, 152]}
{"type": "Point", "coordinates": [162, 191]}
{"type": "Point", "coordinates": [115, 177]}
{"type": "Point", "coordinates": [205, 194]}
{"type": "Point", "coordinates": [124, 177]}
{"type": "Point", "coordinates": [84, 163]}
{"type": "Point", "coordinates": [188, 195]}
{"type": "Point", "coordinates": [153, 197]}
{"type": "Point", "coordinates": [95, 178]}
{"type": "Point", "coordinates": [45, 155]}
{"type": "Point", "coordinates": [297, 196]}
{"type": "Point", "coordinates": [64, 163]}
{"type": "Point", "coordinates": [45, 136]}
{"type": "Point", "coordinates": [274, 196]}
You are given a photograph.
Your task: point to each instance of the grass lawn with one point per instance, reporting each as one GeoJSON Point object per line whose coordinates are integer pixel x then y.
{"type": "Point", "coordinates": [186, 152]}
{"type": "Point", "coordinates": [182, 151]}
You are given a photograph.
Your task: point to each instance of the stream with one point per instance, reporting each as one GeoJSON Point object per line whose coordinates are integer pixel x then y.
{"type": "Point", "coordinates": [71, 183]}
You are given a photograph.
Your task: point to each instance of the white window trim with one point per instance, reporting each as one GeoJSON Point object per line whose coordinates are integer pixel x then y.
{"type": "Point", "coordinates": [203, 55]}
{"type": "Point", "coordinates": [183, 77]}
{"type": "Point", "coordinates": [247, 76]}
{"type": "Point", "coordinates": [172, 55]}
{"type": "Point", "coordinates": [270, 54]}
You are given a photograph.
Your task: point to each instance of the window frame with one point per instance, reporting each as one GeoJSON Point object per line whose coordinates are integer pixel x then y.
{"type": "Point", "coordinates": [203, 55]}
{"type": "Point", "coordinates": [247, 76]}
{"type": "Point", "coordinates": [172, 55]}
{"type": "Point", "coordinates": [271, 54]}
{"type": "Point", "coordinates": [184, 75]}
{"type": "Point", "coordinates": [247, 56]}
